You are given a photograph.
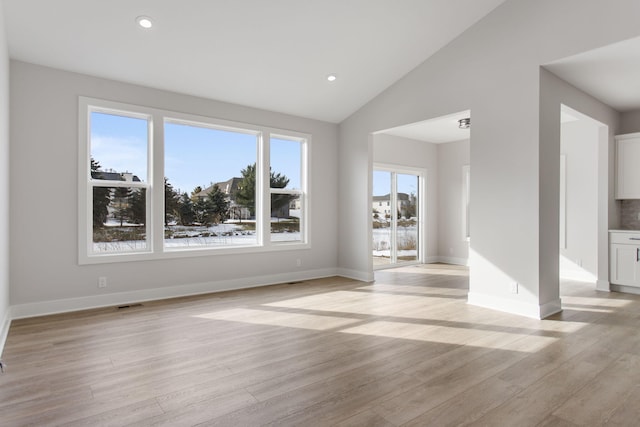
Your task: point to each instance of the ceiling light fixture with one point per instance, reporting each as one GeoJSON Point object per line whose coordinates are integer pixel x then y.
{"type": "Point", "coordinates": [144, 22]}
{"type": "Point", "coordinates": [332, 77]}
{"type": "Point", "coordinates": [464, 123]}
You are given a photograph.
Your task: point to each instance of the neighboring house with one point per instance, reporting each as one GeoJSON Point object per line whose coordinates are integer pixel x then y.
{"type": "Point", "coordinates": [236, 211]}
{"type": "Point", "coordinates": [382, 205]}
{"type": "Point", "coordinates": [229, 188]}
{"type": "Point", "coordinates": [111, 175]}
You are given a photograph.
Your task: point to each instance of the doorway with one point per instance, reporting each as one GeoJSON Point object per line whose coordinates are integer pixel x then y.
{"type": "Point", "coordinates": [583, 198]}
{"type": "Point", "coordinates": [396, 213]}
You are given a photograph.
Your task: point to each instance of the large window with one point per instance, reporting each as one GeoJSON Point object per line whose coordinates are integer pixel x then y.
{"type": "Point", "coordinates": [156, 183]}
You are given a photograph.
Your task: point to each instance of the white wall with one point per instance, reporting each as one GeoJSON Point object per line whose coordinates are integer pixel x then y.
{"type": "Point", "coordinates": [400, 151]}
{"type": "Point", "coordinates": [452, 244]}
{"type": "Point", "coordinates": [45, 275]}
{"type": "Point", "coordinates": [493, 69]}
{"type": "Point", "coordinates": [4, 182]}
{"type": "Point", "coordinates": [579, 144]}
{"type": "Point", "coordinates": [630, 122]}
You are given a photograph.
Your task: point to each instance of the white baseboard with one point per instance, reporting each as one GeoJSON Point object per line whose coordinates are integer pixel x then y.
{"type": "Point", "coordinates": [42, 308]}
{"type": "Point", "coordinates": [4, 328]}
{"type": "Point", "coordinates": [506, 305]}
{"type": "Point", "coordinates": [452, 260]}
{"type": "Point", "coordinates": [362, 276]}
{"type": "Point", "coordinates": [625, 289]}
{"type": "Point", "coordinates": [603, 285]}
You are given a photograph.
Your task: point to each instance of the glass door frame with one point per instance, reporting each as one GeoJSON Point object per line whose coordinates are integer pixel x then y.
{"type": "Point", "coordinates": [420, 212]}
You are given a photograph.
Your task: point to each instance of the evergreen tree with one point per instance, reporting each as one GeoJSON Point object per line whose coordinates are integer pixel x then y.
{"type": "Point", "coordinates": [121, 198]}
{"type": "Point", "coordinates": [171, 202]}
{"type": "Point", "coordinates": [101, 198]}
{"type": "Point", "coordinates": [203, 211]}
{"type": "Point", "coordinates": [138, 206]}
{"type": "Point", "coordinates": [246, 193]}
{"type": "Point", "coordinates": [185, 209]}
{"type": "Point", "coordinates": [219, 205]}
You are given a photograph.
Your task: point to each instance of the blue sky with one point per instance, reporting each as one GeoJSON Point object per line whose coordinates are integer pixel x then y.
{"type": "Point", "coordinates": [382, 183]}
{"type": "Point", "coordinates": [193, 155]}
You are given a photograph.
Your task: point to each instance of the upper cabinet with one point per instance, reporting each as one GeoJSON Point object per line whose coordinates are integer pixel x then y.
{"type": "Point", "coordinates": [628, 166]}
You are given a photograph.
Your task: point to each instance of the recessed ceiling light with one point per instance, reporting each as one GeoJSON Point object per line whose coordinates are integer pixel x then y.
{"type": "Point", "coordinates": [144, 22]}
{"type": "Point", "coordinates": [332, 77]}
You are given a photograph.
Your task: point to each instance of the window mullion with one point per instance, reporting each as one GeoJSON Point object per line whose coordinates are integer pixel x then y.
{"type": "Point", "coordinates": [127, 184]}
{"type": "Point", "coordinates": [304, 184]}
{"type": "Point", "coordinates": [394, 217]}
{"type": "Point", "coordinates": [155, 204]}
{"type": "Point", "coordinates": [263, 196]}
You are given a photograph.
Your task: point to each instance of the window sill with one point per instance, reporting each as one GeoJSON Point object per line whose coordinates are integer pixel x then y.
{"type": "Point", "coordinates": [190, 253]}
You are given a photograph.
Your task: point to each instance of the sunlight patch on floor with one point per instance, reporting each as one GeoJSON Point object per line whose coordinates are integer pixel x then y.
{"type": "Point", "coordinates": [594, 301]}
{"type": "Point", "coordinates": [378, 304]}
{"type": "Point", "coordinates": [274, 318]}
{"type": "Point", "coordinates": [417, 289]}
{"type": "Point", "coordinates": [450, 335]}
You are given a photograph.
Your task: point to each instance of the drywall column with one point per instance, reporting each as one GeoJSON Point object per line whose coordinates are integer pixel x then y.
{"type": "Point", "coordinates": [506, 256]}
{"type": "Point", "coordinates": [549, 178]}
{"type": "Point", "coordinates": [4, 182]}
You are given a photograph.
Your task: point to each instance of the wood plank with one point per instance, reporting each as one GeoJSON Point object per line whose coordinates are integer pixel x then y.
{"type": "Point", "coordinates": [406, 349]}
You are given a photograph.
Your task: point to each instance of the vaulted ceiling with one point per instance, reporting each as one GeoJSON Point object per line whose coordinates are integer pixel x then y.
{"type": "Point", "coordinates": [272, 54]}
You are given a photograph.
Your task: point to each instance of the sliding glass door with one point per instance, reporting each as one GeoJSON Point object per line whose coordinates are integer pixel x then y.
{"type": "Point", "coordinates": [396, 216]}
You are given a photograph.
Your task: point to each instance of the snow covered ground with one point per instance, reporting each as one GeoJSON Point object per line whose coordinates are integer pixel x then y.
{"type": "Point", "coordinates": [219, 235]}
{"type": "Point", "coordinates": [406, 241]}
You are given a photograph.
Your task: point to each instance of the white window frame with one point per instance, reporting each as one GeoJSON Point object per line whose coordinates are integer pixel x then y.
{"type": "Point", "coordinates": [155, 192]}
{"type": "Point", "coordinates": [301, 193]}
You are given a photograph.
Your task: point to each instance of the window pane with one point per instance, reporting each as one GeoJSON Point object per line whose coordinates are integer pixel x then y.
{"type": "Point", "coordinates": [381, 212]}
{"type": "Point", "coordinates": [119, 219]}
{"type": "Point", "coordinates": [210, 187]}
{"type": "Point", "coordinates": [286, 210]}
{"type": "Point", "coordinates": [407, 226]}
{"type": "Point", "coordinates": [118, 147]}
{"type": "Point", "coordinates": [286, 161]}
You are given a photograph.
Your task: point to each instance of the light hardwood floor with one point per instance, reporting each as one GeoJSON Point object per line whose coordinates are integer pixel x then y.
{"type": "Point", "coordinates": [405, 350]}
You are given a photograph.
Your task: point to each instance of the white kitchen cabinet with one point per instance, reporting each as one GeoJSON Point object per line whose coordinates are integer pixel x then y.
{"type": "Point", "coordinates": [624, 254]}
{"type": "Point", "coordinates": [628, 166]}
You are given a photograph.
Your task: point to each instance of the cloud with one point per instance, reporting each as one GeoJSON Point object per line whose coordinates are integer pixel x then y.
{"type": "Point", "coordinates": [121, 154]}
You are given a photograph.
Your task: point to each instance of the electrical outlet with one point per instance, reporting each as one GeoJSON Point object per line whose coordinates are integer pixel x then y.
{"type": "Point", "coordinates": [102, 282]}
{"type": "Point", "coordinates": [514, 288]}
{"type": "Point", "coordinates": [298, 262]}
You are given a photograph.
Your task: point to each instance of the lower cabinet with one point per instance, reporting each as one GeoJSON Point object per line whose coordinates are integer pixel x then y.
{"type": "Point", "coordinates": [624, 259]}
